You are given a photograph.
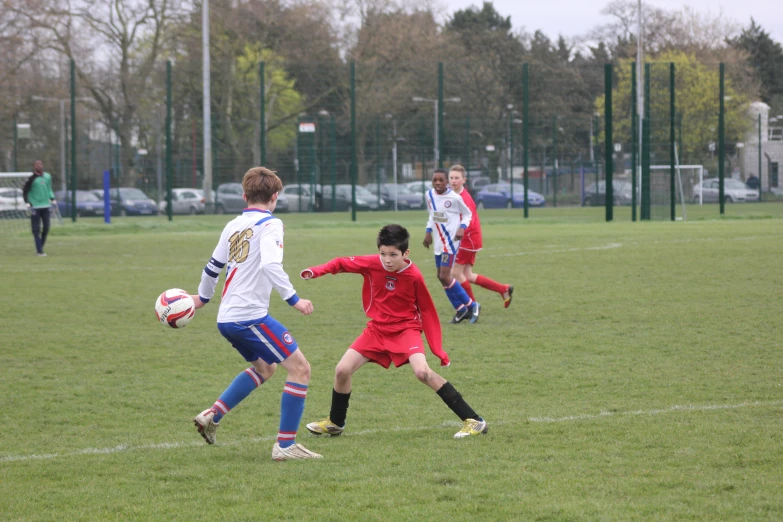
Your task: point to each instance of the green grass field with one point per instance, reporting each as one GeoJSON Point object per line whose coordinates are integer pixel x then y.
{"type": "Point", "coordinates": [638, 375]}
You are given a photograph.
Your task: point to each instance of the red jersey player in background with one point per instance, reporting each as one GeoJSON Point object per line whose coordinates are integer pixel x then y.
{"type": "Point", "coordinates": [462, 270]}
{"type": "Point", "coordinates": [399, 306]}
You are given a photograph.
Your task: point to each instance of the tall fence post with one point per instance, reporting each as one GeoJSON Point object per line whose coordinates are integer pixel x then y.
{"type": "Point", "coordinates": [73, 141]}
{"type": "Point", "coordinates": [467, 147]}
{"type": "Point", "coordinates": [378, 158]}
{"type": "Point", "coordinates": [333, 157]}
{"type": "Point", "coordinates": [721, 144]}
{"type": "Point", "coordinates": [169, 145]}
{"type": "Point", "coordinates": [16, 144]}
{"type": "Point", "coordinates": [262, 95]}
{"type": "Point", "coordinates": [672, 117]}
{"type": "Point", "coordinates": [554, 161]}
{"type": "Point", "coordinates": [608, 142]}
{"type": "Point", "coordinates": [440, 115]}
{"type": "Point", "coordinates": [511, 154]}
{"type": "Point", "coordinates": [525, 143]}
{"type": "Point", "coordinates": [634, 143]}
{"type": "Point", "coordinates": [761, 177]}
{"type": "Point", "coordinates": [645, 209]}
{"type": "Point", "coordinates": [354, 166]}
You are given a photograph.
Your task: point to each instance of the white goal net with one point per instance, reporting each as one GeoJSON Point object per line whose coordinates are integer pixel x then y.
{"type": "Point", "coordinates": [14, 217]}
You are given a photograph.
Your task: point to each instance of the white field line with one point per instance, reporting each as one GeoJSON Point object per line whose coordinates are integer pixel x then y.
{"type": "Point", "coordinates": [570, 418]}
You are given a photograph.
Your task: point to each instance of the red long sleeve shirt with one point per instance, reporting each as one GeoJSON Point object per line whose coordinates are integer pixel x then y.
{"type": "Point", "coordinates": [394, 301]}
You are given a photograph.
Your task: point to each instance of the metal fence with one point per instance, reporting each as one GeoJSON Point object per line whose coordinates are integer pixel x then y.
{"type": "Point", "coordinates": [574, 134]}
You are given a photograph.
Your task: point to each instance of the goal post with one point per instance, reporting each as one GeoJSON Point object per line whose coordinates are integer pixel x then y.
{"type": "Point", "coordinates": [660, 189]}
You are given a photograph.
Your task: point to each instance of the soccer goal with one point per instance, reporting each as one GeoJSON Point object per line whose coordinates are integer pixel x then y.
{"type": "Point", "coordinates": [13, 211]}
{"type": "Point", "coordinates": [686, 177]}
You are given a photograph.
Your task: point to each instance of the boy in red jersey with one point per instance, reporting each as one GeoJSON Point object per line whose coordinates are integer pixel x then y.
{"type": "Point", "coordinates": [462, 270]}
{"type": "Point", "coordinates": [399, 306]}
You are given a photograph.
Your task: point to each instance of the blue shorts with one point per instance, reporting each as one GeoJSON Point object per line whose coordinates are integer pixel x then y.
{"type": "Point", "coordinates": [263, 338]}
{"type": "Point", "coordinates": [444, 259]}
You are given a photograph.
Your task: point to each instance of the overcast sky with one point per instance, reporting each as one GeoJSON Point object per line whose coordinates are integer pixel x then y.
{"type": "Point", "coordinates": [575, 17]}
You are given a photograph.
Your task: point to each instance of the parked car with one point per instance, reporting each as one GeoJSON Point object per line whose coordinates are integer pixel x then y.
{"type": "Point", "coordinates": [301, 197]}
{"type": "Point", "coordinates": [734, 191]}
{"type": "Point", "coordinates": [595, 193]}
{"type": "Point", "coordinates": [476, 183]}
{"type": "Point", "coordinates": [12, 202]}
{"type": "Point", "coordinates": [417, 187]}
{"type": "Point", "coordinates": [129, 201]}
{"type": "Point", "coordinates": [228, 198]}
{"type": "Point", "coordinates": [405, 197]}
{"type": "Point", "coordinates": [498, 195]}
{"type": "Point", "coordinates": [87, 203]}
{"type": "Point", "coordinates": [184, 201]}
{"type": "Point", "coordinates": [365, 200]}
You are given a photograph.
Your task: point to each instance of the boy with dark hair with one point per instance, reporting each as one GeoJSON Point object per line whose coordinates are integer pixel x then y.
{"type": "Point", "coordinates": [449, 217]}
{"type": "Point", "coordinates": [399, 306]}
{"type": "Point", "coordinates": [470, 245]}
{"type": "Point", "coordinates": [251, 250]}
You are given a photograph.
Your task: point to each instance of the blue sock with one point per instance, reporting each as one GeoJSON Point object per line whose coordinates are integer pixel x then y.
{"type": "Point", "coordinates": [458, 296]}
{"type": "Point", "coordinates": [243, 385]}
{"type": "Point", "coordinates": [291, 409]}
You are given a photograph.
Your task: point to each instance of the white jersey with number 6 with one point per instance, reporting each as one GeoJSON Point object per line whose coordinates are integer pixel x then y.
{"type": "Point", "coordinates": [448, 212]}
{"type": "Point", "coordinates": [251, 250]}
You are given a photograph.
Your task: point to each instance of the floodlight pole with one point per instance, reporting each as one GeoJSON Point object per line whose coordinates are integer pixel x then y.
{"type": "Point", "coordinates": [207, 106]}
{"type": "Point", "coordinates": [436, 141]}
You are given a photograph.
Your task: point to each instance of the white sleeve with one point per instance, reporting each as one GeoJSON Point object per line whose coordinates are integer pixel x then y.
{"type": "Point", "coordinates": [271, 244]}
{"type": "Point", "coordinates": [430, 221]}
{"type": "Point", "coordinates": [467, 215]}
{"type": "Point", "coordinates": [209, 277]}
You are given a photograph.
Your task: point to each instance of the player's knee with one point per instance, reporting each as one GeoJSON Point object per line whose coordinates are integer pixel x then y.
{"type": "Point", "coordinates": [423, 374]}
{"type": "Point", "coordinates": [445, 279]}
{"type": "Point", "coordinates": [342, 373]}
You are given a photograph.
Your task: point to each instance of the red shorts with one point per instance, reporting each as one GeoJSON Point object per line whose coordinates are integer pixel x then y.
{"type": "Point", "coordinates": [465, 257]}
{"type": "Point", "coordinates": [385, 349]}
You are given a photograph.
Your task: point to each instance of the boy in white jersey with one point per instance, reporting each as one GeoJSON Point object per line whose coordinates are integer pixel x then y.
{"type": "Point", "coordinates": [251, 250]}
{"type": "Point", "coordinates": [449, 217]}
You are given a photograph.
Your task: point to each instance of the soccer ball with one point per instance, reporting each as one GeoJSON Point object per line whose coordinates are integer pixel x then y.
{"type": "Point", "coordinates": [175, 308]}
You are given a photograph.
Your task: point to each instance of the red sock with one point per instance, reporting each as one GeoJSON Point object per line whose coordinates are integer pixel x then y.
{"type": "Point", "coordinates": [468, 289]}
{"type": "Point", "coordinates": [489, 284]}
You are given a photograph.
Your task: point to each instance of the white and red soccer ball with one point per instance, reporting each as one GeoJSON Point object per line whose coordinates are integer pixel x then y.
{"type": "Point", "coordinates": [175, 308]}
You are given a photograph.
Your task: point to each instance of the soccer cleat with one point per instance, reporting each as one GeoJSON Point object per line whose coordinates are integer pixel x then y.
{"type": "Point", "coordinates": [325, 427]}
{"type": "Point", "coordinates": [462, 314]}
{"type": "Point", "coordinates": [507, 296]}
{"type": "Point", "coordinates": [205, 426]}
{"type": "Point", "coordinates": [293, 452]}
{"type": "Point", "coordinates": [474, 315]}
{"type": "Point", "coordinates": [472, 427]}
{"type": "Point", "coordinates": [41, 254]}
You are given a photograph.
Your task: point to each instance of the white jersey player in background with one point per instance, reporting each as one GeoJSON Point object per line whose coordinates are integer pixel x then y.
{"type": "Point", "coordinates": [449, 216]}
{"type": "Point", "coordinates": [251, 250]}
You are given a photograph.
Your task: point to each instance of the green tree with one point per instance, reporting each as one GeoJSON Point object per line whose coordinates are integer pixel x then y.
{"type": "Point", "coordinates": [766, 57]}
{"type": "Point", "coordinates": [697, 103]}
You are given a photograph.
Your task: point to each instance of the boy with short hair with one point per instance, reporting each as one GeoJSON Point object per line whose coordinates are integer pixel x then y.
{"type": "Point", "coordinates": [470, 245]}
{"type": "Point", "coordinates": [399, 306]}
{"type": "Point", "coordinates": [251, 250]}
{"type": "Point", "coordinates": [449, 217]}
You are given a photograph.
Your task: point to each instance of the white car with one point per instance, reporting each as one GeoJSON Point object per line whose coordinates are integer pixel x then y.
{"type": "Point", "coordinates": [734, 191]}
{"type": "Point", "coordinates": [185, 201]}
{"type": "Point", "coordinates": [12, 202]}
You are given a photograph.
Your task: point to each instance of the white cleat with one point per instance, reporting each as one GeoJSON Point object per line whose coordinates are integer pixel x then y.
{"type": "Point", "coordinates": [205, 425]}
{"type": "Point", "coordinates": [293, 452]}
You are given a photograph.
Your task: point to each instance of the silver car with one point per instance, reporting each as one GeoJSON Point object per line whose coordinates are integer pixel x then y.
{"type": "Point", "coordinates": [734, 191]}
{"type": "Point", "coordinates": [185, 201]}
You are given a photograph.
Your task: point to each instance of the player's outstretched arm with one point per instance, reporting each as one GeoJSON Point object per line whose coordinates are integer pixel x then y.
{"type": "Point", "coordinates": [351, 265]}
{"type": "Point", "coordinates": [430, 322]}
{"type": "Point", "coordinates": [197, 301]}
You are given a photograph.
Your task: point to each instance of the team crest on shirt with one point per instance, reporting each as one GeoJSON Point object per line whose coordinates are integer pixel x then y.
{"type": "Point", "coordinates": [287, 339]}
{"type": "Point", "coordinates": [390, 285]}
{"type": "Point", "coordinates": [279, 244]}
{"type": "Point", "coordinates": [447, 204]}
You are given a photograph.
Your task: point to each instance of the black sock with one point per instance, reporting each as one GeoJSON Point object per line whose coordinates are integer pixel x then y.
{"type": "Point", "coordinates": [454, 400]}
{"type": "Point", "coordinates": [339, 407]}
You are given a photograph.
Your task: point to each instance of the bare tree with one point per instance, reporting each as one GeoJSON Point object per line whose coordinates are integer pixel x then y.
{"type": "Point", "coordinates": [116, 46]}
